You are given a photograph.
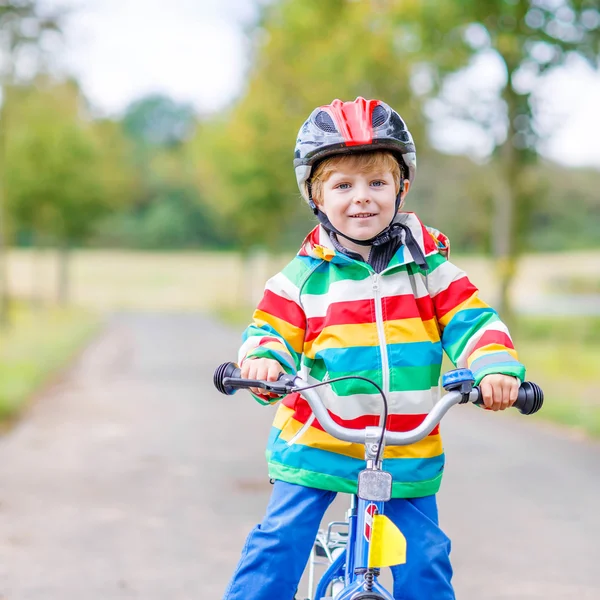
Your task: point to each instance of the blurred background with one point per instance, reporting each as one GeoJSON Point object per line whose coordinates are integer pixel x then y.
{"type": "Point", "coordinates": [145, 160]}
{"type": "Point", "coordinates": [146, 164]}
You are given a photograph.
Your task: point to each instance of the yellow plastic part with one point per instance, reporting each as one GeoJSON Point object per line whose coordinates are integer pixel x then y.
{"type": "Point", "coordinates": [388, 544]}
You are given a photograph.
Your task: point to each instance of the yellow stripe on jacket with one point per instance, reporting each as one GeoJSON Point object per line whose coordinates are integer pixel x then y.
{"type": "Point", "coordinates": [398, 331]}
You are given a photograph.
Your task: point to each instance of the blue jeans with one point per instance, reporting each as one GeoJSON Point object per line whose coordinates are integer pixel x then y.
{"type": "Point", "coordinates": [277, 550]}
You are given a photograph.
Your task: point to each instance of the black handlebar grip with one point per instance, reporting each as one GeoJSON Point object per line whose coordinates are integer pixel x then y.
{"type": "Point", "coordinates": [231, 372]}
{"type": "Point", "coordinates": [529, 400]}
{"type": "Point", "coordinates": [227, 369]}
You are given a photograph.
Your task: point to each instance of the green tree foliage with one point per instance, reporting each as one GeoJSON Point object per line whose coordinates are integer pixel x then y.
{"type": "Point", "coordinates": [64, 172]}
{"type": "Point", "coordinates": [168, 211]}
{"type": "Point", "coordinates": [157, 121]}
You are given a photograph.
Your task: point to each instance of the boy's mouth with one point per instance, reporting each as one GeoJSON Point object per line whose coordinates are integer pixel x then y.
{"type": "Point", "coordinates": [363, 215]}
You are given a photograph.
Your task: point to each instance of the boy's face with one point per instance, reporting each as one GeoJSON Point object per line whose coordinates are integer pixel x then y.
{"type": "Point", "coordinates": [360, 205]}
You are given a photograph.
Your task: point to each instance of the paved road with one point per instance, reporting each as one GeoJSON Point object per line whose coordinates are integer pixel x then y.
{"type": "Point", "coordinates": [132, 478]}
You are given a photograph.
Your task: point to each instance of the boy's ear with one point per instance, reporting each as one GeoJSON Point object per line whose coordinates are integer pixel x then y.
{"type": "Point", "coordinates": [406, 187]}
{"type": "Point", "coordinates": [406, 183]}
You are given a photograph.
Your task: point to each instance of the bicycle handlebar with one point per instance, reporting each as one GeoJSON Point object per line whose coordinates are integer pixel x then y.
{"type": "Point", "coordinates": [227, 380]}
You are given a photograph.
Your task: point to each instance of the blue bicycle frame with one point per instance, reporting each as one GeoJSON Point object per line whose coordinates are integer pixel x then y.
{"type": "Point", "coordinates": [356, 554]}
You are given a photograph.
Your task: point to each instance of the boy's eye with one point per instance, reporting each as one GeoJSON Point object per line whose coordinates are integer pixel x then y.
{"type": "Point", "coordinates": [343, 186]}
{"type": "Point", "coordinates": [378, 183]}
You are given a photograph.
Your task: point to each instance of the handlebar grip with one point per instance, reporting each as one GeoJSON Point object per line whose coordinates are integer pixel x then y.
{"type": "Point", "coordinates": [227, 379]}
{"type": "Point", "coordinates": [227, 369]}
{"type": "Point", "coordinates": [529, 401]}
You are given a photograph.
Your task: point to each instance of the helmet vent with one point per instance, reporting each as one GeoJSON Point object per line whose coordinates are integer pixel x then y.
{"type": "Point", "coordinates": [324, 121]}
{"type": "Point", "coordinates": [379, 116]}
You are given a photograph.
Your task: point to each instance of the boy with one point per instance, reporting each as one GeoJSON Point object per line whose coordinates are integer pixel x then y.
{"type": "Point", "coordinates": [370, 293]}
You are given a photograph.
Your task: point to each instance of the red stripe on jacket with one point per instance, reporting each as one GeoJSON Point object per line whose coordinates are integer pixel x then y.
{"type": "Point", "coordinates": [302, 413]}
{"type": "Point", "coordinates": [408, 307]}
{"type": "Point", "coordinates": [282, 308]}
{"type": "Point", "coordinates": [341, 313]}
{"type": "Point", "coordinates": [456, 293]}
{"type": "Point", "coordinates": [494, 337]}
{"type": "Point", "coordinates": [357, 312]}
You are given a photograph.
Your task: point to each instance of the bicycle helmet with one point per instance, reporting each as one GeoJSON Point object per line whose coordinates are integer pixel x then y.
{"type": "Point", "coordinates": [346, 128]}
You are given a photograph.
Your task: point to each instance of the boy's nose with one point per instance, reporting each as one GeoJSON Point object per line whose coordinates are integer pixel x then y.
{"type": "Point", "coordinates": [361, 194]}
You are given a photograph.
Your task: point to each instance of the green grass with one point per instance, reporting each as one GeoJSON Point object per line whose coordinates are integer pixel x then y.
{"type": "Point", "coordinates": [238, 317]}
{"type": "Point", "coordinates": [35, 347]}
{"type": "Point", "coordinates": [562, 355]}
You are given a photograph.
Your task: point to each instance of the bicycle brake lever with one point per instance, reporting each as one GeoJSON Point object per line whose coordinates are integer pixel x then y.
{"type": "Point", "coordinates": [284, 385]}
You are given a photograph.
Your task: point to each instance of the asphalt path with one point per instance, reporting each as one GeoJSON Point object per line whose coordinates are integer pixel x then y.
{"type": "Point", "coordinates": [131, 477]}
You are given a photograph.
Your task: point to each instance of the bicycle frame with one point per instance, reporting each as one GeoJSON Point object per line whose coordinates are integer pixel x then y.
{"type": "Point", "coordinates": [353, 560]}
{"type": "Point", "coordinates": [355, 555]}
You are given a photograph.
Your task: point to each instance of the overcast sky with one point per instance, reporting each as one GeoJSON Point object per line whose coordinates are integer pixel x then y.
{"type": "Point", "coordinates": [194, 51]}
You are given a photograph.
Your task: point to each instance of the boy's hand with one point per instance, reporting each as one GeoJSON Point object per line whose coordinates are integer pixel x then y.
{"type": "Point", "coordinates": [266, 369]}
{"type": "Point", "coordinates": [499, 392]}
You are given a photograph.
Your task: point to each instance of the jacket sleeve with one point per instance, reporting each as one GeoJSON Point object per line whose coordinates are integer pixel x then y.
{"type": "Point", "coordinates": [277, 329]}
{"type": "Point", "coordinates": [472, 334]}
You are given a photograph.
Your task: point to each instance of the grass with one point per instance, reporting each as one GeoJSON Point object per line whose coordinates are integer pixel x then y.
{"type": "Point", "coordinates": [561, 354]}
{"type": "Point", "coordinates": [36, 346]}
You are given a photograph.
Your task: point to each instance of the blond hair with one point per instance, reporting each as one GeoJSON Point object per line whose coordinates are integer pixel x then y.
{"type": "Point", "coordinates": [362, 162]}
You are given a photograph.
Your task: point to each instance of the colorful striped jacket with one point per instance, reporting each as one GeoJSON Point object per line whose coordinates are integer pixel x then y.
{"type": "Point", "coordinates": [326, 315]}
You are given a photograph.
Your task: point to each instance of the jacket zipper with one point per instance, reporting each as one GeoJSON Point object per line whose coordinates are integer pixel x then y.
{"type": "Point", "coordinates": [381, 334]}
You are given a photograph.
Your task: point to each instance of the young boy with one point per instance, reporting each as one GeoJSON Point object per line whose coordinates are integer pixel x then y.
{"type": "Point", "coordinates": [370, 293]}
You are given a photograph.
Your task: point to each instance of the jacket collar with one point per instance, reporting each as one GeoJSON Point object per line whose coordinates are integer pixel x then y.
{"type": "Point", "coordinates": [318, 244]}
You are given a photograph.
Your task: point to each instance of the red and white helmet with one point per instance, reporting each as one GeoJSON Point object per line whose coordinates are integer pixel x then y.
{"type": "Point", "coordinates": [347, 127]}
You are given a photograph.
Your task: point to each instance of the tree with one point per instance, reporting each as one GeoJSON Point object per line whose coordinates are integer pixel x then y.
{"type": "Point", "coordinates": [65, 172]}
{"type": "Point", "coordinates": [168, 210]}
{"type": "Point", "coordinates": [23, 26]}
{"type": "Point", "coordinates": [159, 121]}
{"type": "Point", "coordinates": [158, 128]}
{"type": "Point", "coordinates": [529, 38]}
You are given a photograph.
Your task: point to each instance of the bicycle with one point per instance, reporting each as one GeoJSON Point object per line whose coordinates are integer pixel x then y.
{"type": "Point", "coordinates": [351, 572]}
